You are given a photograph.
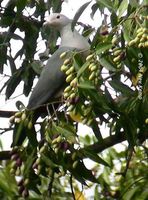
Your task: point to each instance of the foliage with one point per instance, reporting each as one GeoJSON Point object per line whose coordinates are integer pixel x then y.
{"type": "Point", "coordinates": [108, 89]}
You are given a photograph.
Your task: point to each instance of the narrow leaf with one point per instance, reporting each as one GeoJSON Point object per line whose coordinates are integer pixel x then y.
{"type": "Point", "coordinates": [68, 134]}
{"type": "Point", "coordinates": [123, 7]}
{"type": "Point", "coordinates": [106, 3]}
{"type": "Point", "coordinates": [86, 85]}
{"type": "Point", "coordinates": [78, 14]}
{"type": "Point", "coordinates": [95, 157]}
{"type": "Point", "coordinates": [82, 69]}
{"type": "Point", "coordinates": [102, 47]}
{"type": "Point", "coordinates": [120, 87]}
{"type": "Point", "coordinates": [107, 64]}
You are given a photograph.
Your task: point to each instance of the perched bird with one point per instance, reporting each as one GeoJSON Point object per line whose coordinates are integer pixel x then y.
{"type": "Point", "coordinates": [52, 79]}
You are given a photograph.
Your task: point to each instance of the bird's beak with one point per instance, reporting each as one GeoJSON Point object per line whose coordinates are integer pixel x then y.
{"type": "Point", "coordinates": [46, 23]}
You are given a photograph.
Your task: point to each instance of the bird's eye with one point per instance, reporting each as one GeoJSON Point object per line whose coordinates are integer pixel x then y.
{"type": "Point", "coordinates": [58, 16]}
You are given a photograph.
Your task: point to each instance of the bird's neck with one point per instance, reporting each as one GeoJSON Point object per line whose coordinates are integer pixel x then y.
{"type": "Point", "coordinates": [72, 38]}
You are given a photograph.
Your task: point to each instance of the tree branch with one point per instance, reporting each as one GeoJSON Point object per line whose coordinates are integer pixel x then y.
{"type": "Point", "coordinates": [6, 114]}
{"type": "Point", "coordinates": [97, 147]}
{"type": "Point", "coordinates": [5, 155]}
{"type": "Point", "coordinates": [111, 141]}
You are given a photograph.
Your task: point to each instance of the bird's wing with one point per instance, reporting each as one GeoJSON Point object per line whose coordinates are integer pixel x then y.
{"type": "Point", "coordinates": [51, 80]}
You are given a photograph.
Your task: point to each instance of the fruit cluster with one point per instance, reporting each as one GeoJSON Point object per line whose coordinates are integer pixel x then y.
{"type": "Point", "coordinates": [39, 165]}
{"type": "Point", "coordinates": [22, 187]}
{"type": "Point", "coordinates": [78, 109]}
{"type": "Point", "coordinates": [21, 117]}
{"type": "Point", "coordinates": [94, 69]}
{"type": "Point", "coordinates": [16, 162]}
{"type": "Point", "coordinates": [118, 53]}
{"type": "Point", "coordinates": [71, 91]}
{"type": "Point", "coordinates": [141, 39]}
{"type": "Point", "coordinates": [51, 148]}
{"type": "Point", "coordinates": [16, 169]}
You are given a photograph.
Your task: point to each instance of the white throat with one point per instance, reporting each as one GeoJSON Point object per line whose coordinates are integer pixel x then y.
{"type": "Point", "coordinates": [73, 38]}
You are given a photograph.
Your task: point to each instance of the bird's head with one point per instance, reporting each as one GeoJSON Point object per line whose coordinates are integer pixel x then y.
{"type": "Point", "coordinates": [57, 21]}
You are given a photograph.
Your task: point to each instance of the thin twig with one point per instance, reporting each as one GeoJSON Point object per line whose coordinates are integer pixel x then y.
{"type": "Point", "coordinates": [71, 186]}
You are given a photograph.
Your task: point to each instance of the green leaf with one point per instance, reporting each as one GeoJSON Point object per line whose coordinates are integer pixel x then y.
{"type": "Point", "coordinates": [130, 193]}
{"type": "Point", "coordinates": [114, 19]}
{"type": "Point", "coordinates": [86, 85]}
{"type": "Point", "coordinates": [97, 193]}
{"type": "Point", "coordinates": [94, 8]}
{"type": "Point", "coordinates": [126, 29]}
{"type": "Point", "coordinates": [104, 61]}
{"type": "Point", "coordinates": [19, 134]}
{"type": "Point", "coordinates": [120, 87]}
{"type": "Point", "coordinates": [81, 173]}
{"type": "Point", "coordinates": [82, 69]}
{"type": "Point", "coordinates": [93, 156]}
{"type": "Point", "coordinates": [29, 162]}
{"type": "Point", "coordinates": [48, 161]}
{"type": "Point", "coordinates": [134, 3]}
{"type": "Point", "coordinates": [123, 7]}
{"type": "Point", "coordinates": [8, 187]}
{"type": "Point", "coordinates": [20, 4]}
{"type": "Point", "coordinates": [65, 131]}
{"type": "Point", "coordinates": [106, 3]}
{"type": "Point", "coordinates": [13, 83]}
{"type": "Point", "coordinates": [102, 47]}
{"type": "Point", "coordinates": [37, 66]}
{"type": "Point", "coordinates": [129, 129]}
{"type": "Point", "coordinates": [31, 134]}
{"type": "Point", "coordinates": [78, 14]}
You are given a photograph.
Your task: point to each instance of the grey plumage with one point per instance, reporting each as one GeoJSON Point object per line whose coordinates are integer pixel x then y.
{"type": "Point", "coordinates": [52, 80]}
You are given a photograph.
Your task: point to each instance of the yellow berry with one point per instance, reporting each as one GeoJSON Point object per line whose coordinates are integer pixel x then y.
{"type": "Point", "coordinates": [18, 114]}
{"type": "Point", "coordinates": [26, 181]}
{"type": "Point", "coordinates": [84, 121]}
{"type": "Point", "coordinates": [93, 68]}
{"type": "Point", "coordinates": [73, 83]}
{"type": "Point", "coordinates": [140, 34]}
{"type": "Point", "coordinates": [114, 40]}
{"type": "Point", "coordinates": [42, 149]}
{"type": "Point", "coordinates": [63, 55]}
{"type": "Point", "coordinates": [72, 95]}
{"type": "Point", "coordinates": [116, 59]}
{"type": "Point", "coordinates": [73, 156]}
{"type": "Point", "coordinates": [116, 53]}
{"type": "Point", "coordinates": [92, 75]}
{"type": "Point", "coordinates": [69, 71]}
{"type": "Point", "coordinates": [56, 150]}
{"type": "Point", "coordinates": [146, 120]}
{"type": "Point", "coordinates": [66, 95]}
{"type": "Point", "coordinates": [30, 125]}
{"type": "Point", "coordinates": [67, 89]}
{"type": "Point", "coordinates": [11, 119]}
{"type": "Point", "coordinates": [64, 68]}
{"type": "Point", "coordinates": [139, 30]}
{"type": "Point", "coordinates": [74, 165]}
{"type": "Point", "coordinates": [17, 120]}
{"type": "Point", "coordinates": [67, 61]}
{"type": "Point", "coordinates": [23, 117]}
{"type": "Point", "coordinates": [140, 45]}
{"type": "Point", "coordinates": [89, 122]}
{"type": "Point", "coordinates": [70, 108]}
{"type": "Point", "coordinates": [90, 57]}
{"type": "Point", "coordinates": [131, 43]}
{"type": "Point", "coordinates": [69, 78]}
